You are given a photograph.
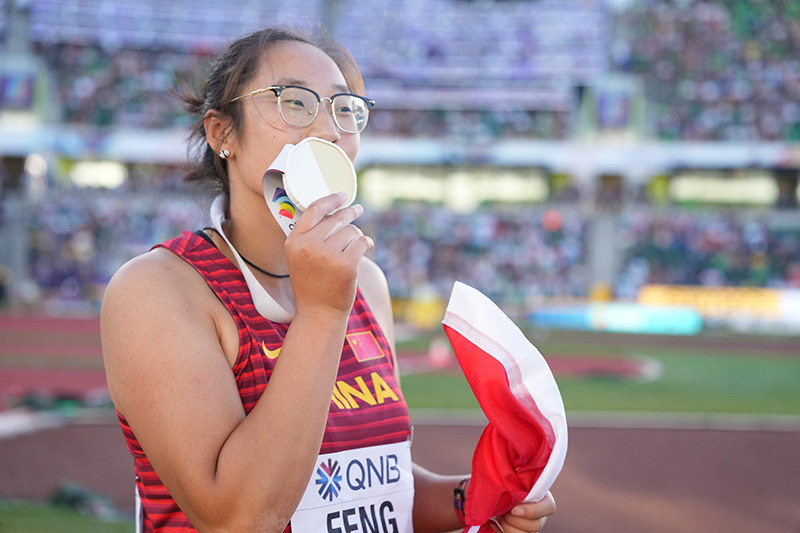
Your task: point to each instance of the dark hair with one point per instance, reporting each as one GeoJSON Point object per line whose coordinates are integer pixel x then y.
{"type": "Point", "coordinates": [230, 73]}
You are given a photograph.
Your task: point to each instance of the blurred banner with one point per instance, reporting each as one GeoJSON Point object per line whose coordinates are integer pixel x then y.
{"type": "Point", "coordinates": [620, 317]}
{"type": "Point", "coordinates": [747, 309]}
{"type": "Point", "coordinates": [715, 302]}
{"type": "Point", "coordinates": [682, 310]}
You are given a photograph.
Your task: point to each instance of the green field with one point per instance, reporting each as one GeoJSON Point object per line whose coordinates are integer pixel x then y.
{"type": "Point", "coordinates": [21, 517]}
{"type": "Point", "coordinates": [745, 375]}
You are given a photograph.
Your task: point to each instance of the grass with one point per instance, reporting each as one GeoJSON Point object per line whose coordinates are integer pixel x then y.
{"type": "Point", "coordinates": [697, 377]}
{"type": "Point", "coordinates": [695, 383]}
{"type": "Point", "coordinates": [24, 517]}
{"type": "Point", "coordinates": [438, 390]}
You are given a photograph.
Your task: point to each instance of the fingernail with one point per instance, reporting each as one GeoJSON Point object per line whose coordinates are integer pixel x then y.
{"type": "Point", "coordinates": [518, 511]}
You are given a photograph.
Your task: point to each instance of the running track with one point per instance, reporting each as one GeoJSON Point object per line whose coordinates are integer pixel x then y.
{"type": "Point", "coordinates": [633, 477]}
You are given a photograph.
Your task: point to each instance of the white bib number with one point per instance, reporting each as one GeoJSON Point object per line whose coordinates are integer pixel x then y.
{"type": "Point", "coordinates": [367, 490]}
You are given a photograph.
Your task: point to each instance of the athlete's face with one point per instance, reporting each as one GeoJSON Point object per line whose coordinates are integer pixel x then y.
{"type": "Point", "coordinates": [264, 133]}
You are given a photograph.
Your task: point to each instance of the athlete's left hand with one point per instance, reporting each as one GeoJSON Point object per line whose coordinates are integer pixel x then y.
{"type": "Point", "coordinates": [526, 517]}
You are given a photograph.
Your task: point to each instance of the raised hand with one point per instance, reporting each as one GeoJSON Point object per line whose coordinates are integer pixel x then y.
{"type": "Point", "coordinates": [323, 253]}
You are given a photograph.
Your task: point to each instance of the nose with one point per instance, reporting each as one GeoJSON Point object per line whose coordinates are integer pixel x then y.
{"type": "Point", "coordinates": [324, 126]}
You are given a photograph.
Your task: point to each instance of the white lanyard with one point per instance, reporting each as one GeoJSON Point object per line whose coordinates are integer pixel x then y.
{"type": "Point", "coordinates": [263, 302]}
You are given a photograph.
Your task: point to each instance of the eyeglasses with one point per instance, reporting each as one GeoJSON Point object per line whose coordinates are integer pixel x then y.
{"type": "Point", "coordinates": [298, 106]}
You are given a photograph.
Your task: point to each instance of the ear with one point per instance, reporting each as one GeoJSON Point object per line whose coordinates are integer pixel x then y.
{"type": "Point", "coordinates": [218, 131]}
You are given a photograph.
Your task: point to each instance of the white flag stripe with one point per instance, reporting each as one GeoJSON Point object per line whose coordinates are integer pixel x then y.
{"type": "Point", "coordinates": [480, 321]}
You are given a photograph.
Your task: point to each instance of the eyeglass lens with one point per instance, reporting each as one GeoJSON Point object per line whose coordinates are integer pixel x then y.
{"type": "Point", "coordinates": [298, 107]}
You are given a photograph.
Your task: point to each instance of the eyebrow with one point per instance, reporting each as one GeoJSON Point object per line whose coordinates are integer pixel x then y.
{"type": "Point", "coordinates": [292, 81]}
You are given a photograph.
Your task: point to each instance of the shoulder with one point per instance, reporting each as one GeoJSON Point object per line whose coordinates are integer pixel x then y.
{"type": "Point", "coordinates": [375, 290]}
{"type": "Point", "coordinates": [371, 279]}
{"type": "Point", "coordinates": [373, 285]}
{"type": "Point", "coordinates": [153, 294]}
{"type": "Point", "coordinates": [158, 317]}
{"type": "Point", "coordinates": [156, 275]}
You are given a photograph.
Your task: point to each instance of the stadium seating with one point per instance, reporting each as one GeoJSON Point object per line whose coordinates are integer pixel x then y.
{"type": "Point", "coordinates": [440, 66]}
{"type": "Point", "coordinates": [715, 248]}
{"type": "Point", "coordinates": [460, 73]}
{"type": "Point", "coordinates": [716, 70]}
{"type": "Point", "coordinates": [180, 24]}
{"type": "Point", "coordinates": [2, 19]}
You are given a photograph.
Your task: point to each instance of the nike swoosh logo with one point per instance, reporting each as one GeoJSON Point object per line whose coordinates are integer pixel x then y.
{"type": "Point", "coordinates": [271, 354]}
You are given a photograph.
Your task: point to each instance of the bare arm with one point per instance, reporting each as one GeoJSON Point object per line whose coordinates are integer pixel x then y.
{"type": "Point", "coordinates": [168, 375]}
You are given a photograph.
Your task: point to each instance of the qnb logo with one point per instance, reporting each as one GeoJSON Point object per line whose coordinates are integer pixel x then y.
{"type": "Point", "coordinates": [363, 475]}
{"type": "Point", "coordinates": [329, 480]}
{"type": "Point", "coordinates": [359, 475]}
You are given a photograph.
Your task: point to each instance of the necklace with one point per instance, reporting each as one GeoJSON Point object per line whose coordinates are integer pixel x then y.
{"type": "Point", "coordinates": [268, 273]}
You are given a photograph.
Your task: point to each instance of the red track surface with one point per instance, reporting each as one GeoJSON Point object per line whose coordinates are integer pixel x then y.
{"type": "Point", "coordinates": [614, 480]}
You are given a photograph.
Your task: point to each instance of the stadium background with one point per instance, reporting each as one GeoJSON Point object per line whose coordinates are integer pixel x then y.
{"type": "Point", "coordinates": [594, 167]}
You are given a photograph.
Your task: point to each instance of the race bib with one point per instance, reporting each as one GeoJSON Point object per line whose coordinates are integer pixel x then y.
{"type": "Point", "coordinates": [366, 490]}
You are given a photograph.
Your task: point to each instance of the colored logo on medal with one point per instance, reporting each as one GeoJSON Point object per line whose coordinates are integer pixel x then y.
{"type": "Point", "coordinates": [329, 480]}
{"type": "Point", "coordinates": [285, 205]}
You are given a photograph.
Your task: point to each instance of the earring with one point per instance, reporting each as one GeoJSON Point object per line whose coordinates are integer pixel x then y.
{"type": "Point", "coordinates": [224, 153]}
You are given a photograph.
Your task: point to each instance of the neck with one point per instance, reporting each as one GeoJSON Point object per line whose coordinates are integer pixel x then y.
{"type": "Point", "coordinates": [257, 236]}
{"type": "Point", "coordinates": [265, 242]}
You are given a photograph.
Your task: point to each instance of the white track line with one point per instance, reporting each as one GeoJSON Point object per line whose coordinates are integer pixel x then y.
{"type": "Point", "coordinates": [627, 420]}
{"type": "Point", "coordinates": [20, 422]}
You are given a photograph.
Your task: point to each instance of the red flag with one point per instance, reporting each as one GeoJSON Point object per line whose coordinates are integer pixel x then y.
{"type": "Point", "coordinates": [522, 450]}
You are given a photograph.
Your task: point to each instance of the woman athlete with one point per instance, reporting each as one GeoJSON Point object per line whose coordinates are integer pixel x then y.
{"type": "Point", "coordinates": [238, 423]}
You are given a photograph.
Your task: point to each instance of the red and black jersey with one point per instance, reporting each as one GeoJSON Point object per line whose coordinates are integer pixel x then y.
{"type": "Point", "coordinates": [367, 407]}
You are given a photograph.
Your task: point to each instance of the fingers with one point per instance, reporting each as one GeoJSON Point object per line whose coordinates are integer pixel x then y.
{"type": "Point", "coordinates": [532, 510]}
{"type": "Point", "coordinates": [343, 237]}
{"type": "Point", "coordinates": [511, 524]}
{"type": "Point", "coordinates": [528, 516]}
{"type": "Point", "coordinates": [341, 219]}
{"type": "Point", "coordinates": [323, 254]}
{"type": "Point", "coordinates": [319, 209]}
{"type": "Point", "coordinates": [358, 247]}
{"type": "Point", "coordinates": [336, 229]}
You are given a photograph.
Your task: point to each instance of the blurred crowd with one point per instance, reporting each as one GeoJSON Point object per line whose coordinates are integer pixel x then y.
{"type": "Point", "coordinates": [712, 70]}
{"type": "Point", "coordinates": [126, 87]}
{"type": "Point", "coordinates": [131, 88]}
{"type": "Point", "coordinates": [3, 21]}
{"type": "Point", "coordinates": [155, 24]}
{"type": "Point", "coordinates": [709, 248]}
{"type": "Point", "coordinates": [118, 73]}
{"type": "Point", "coordinates": [475, 126]}
{"type": "Point", "coordinates": [514, 256]}
{"type": "Point", "coordinates": [77, 241]}
{"type": "Point", "coordinates": [715, 70]}
{"type": "Point", "coordinates": [447, 42]}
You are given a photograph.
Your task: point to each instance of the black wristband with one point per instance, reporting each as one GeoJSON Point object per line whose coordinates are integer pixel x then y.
{"type": "Point", "coordinates": [460, 499]}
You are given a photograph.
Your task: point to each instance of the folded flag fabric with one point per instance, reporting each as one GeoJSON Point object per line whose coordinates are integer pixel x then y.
{"type": "Point", "coordinates": [522, 449]}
